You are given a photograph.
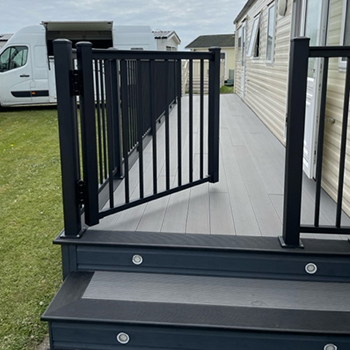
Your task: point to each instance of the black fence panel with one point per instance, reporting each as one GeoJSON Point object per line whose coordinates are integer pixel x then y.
{"type": "Point", "coordinates": [292, 226]}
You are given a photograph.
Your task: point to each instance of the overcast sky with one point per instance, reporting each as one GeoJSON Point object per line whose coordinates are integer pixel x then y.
{"type": "Point", "coordinates": [189, 18]}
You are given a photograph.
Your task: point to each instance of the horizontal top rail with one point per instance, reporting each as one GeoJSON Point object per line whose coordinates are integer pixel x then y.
{"type": "Point", "coordinates": [147, 55]}
{"type": "Point", "coordinates": [329, 51]}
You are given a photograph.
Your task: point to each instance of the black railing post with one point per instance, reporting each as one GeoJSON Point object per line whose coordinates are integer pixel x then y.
{"type": "Point", "coordinates": [88, 133]}
{"type": "Point", "coordinates": [214, 114]}
{"type": "Point", "coordinates": [298, 67]}
{"type": "Point", "coordinates": [68, 133]}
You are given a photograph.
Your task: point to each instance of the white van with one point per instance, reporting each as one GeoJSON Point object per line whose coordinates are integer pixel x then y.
{"type": "Point", "coordinates": [26, 61]}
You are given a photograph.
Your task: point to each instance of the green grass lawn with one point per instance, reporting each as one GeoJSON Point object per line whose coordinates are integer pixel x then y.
{"type": "Point", "coordinates": [30, 218]}
{"type": "Point", "coordinates": [226, 89]}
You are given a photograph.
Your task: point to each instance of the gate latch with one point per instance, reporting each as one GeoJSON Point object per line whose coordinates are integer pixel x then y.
{"type": "Point", "coordinates": [81, 189]}
{"type": "Point", "coordinates": [76, 82]}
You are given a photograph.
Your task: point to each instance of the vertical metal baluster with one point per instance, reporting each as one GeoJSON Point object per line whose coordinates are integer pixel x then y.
{"type": "Point", "coordinates": [131, 102]}
{"type": "Point", "coordinates": [153, 124]}
{"type": "Point", "coordinates": [343, 145]}
{"type": "Point", "coordinates": [179, 122]}
{"type": "Point", "coordinates": [147, 112]}
{"type": "Point", "coordinates": [110, 129]}
{"type": "Point", "coordinates": [135, 100]}
{"type": "Point", "coordinates": [125, 118]}
{"type": "Point", "coordinates": [146, 120]}
{"type": "Point", "coordinates": [103, 114]}
{"type": "Point", "coordinates": [201, 121]}
{"type": "Point", "coordinates": [116, 120]}
{"type": "Point", "coordinates": [99, 131]}
{"type": "Point", "coordinates": [174, 82]}
{"type": "Point", "coordinates": [134, 105]}
{"type": "Point", "coordinates": [320, 142]}
{"type": "Point", "coordinates": [140, 126]}
{"type": "Point", "coordinates": [167, 141]}
{"type": "Point", "coordinates": [191, 121]}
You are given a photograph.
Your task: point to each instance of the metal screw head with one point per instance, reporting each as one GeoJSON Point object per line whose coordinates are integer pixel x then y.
{"type": "Point", "coordinates": [311, 268]}
{"type": "Point", "coordinates": [330, 347]}
{"type": "Point", "coordinates": [137, 259]}
{"type": "Point", "coordinates": [123, 338]}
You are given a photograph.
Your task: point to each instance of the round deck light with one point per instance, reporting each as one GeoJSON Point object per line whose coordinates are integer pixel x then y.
{"type": "Point", "coordinates": [330, 347]}
{"type": "Point", "coordinates": [311, 269]}
{"type": "Point", "coordinates": [123, 338]}
{"type": "Point", "coordinates": [137, 259]}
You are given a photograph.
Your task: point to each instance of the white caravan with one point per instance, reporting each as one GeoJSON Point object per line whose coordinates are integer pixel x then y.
{"type": "Point", "coordinates": [27, 64]}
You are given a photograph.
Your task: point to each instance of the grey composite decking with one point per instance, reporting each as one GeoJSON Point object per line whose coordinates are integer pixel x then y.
{"type": "Point", "coordinates": [203, 290]}
{"type": "Point", "coordinates": [248, 199]}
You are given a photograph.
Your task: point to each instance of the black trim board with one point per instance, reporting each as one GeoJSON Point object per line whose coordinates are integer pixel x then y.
{"type": "Point", "coordinates": [203, 241]}
{"type": "Point", "coordinates": [212, 263]}
{"type": "Point", "coordinates": [210, 255]}
{"type": "Point", "coordinates": [32, 93]}
{"type": "Point", "coordinates": [21, 93]}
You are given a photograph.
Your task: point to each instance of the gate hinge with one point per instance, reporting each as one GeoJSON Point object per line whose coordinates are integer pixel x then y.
{"type": "Point", "coordinates": [76, 82]}
{"type": "Point", "coordinates": [81, 190]}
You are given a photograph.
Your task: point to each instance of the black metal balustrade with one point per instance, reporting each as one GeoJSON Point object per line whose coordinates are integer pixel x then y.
{"type": "Point", "coordinates": [299, 57]}
{"type": "Point", "coordinates": [109, 108]}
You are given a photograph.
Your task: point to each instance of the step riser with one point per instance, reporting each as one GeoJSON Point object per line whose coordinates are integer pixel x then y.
{"type": "Point", "coordinates": [81, 335]}
{"type": "Point", "coordinates": [210, 262]}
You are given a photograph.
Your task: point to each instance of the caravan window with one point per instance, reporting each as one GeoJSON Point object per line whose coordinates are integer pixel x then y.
{"type": "Point", "coordinates": [270, 45]}
{"type": "Point", "coordinates": [345, 38]}
{"type": "Point", "coordinates": [239, 37]}
{"type": "Point", "coordinates": [13, 57]}
{"type": "Point", "coordinates": [254, 43]}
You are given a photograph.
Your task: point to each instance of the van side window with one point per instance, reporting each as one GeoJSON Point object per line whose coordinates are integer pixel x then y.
{"type": "Point", "coordinates": [13, 57]}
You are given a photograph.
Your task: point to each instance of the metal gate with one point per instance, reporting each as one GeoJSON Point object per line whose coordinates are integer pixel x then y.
{"type": "Point", "coordinates": [110, 109]}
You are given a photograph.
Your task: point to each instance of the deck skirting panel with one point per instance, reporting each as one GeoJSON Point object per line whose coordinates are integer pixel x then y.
{"type": "Point", "coordinates": [213, 263]}
{"type": "Point", "coordinates": [92, 336]}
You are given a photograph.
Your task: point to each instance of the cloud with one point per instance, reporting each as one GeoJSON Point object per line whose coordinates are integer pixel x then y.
{"type": "Point", "coordinates": [188, 18]}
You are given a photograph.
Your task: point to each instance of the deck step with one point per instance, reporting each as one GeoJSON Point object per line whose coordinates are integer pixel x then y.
{"type": "Point", "coordinates": [167, 311]}
{"type": "Point", "coordinates": [211, 255]}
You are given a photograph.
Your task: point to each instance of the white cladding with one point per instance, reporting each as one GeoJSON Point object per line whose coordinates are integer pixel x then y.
{"type": "Point", "coordinates": [262, 84]}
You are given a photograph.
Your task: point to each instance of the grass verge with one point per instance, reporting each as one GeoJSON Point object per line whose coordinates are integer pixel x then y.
{"type": "Point", "coordinates": [226, 89]}
{"type": "Point", "coordinates": [30, 217]}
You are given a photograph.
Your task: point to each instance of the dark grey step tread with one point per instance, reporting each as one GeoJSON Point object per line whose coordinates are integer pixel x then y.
{"type": "Point", "coordinates": [204, 241]}
{"type": "Point", "coordinates": [196, 301]}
